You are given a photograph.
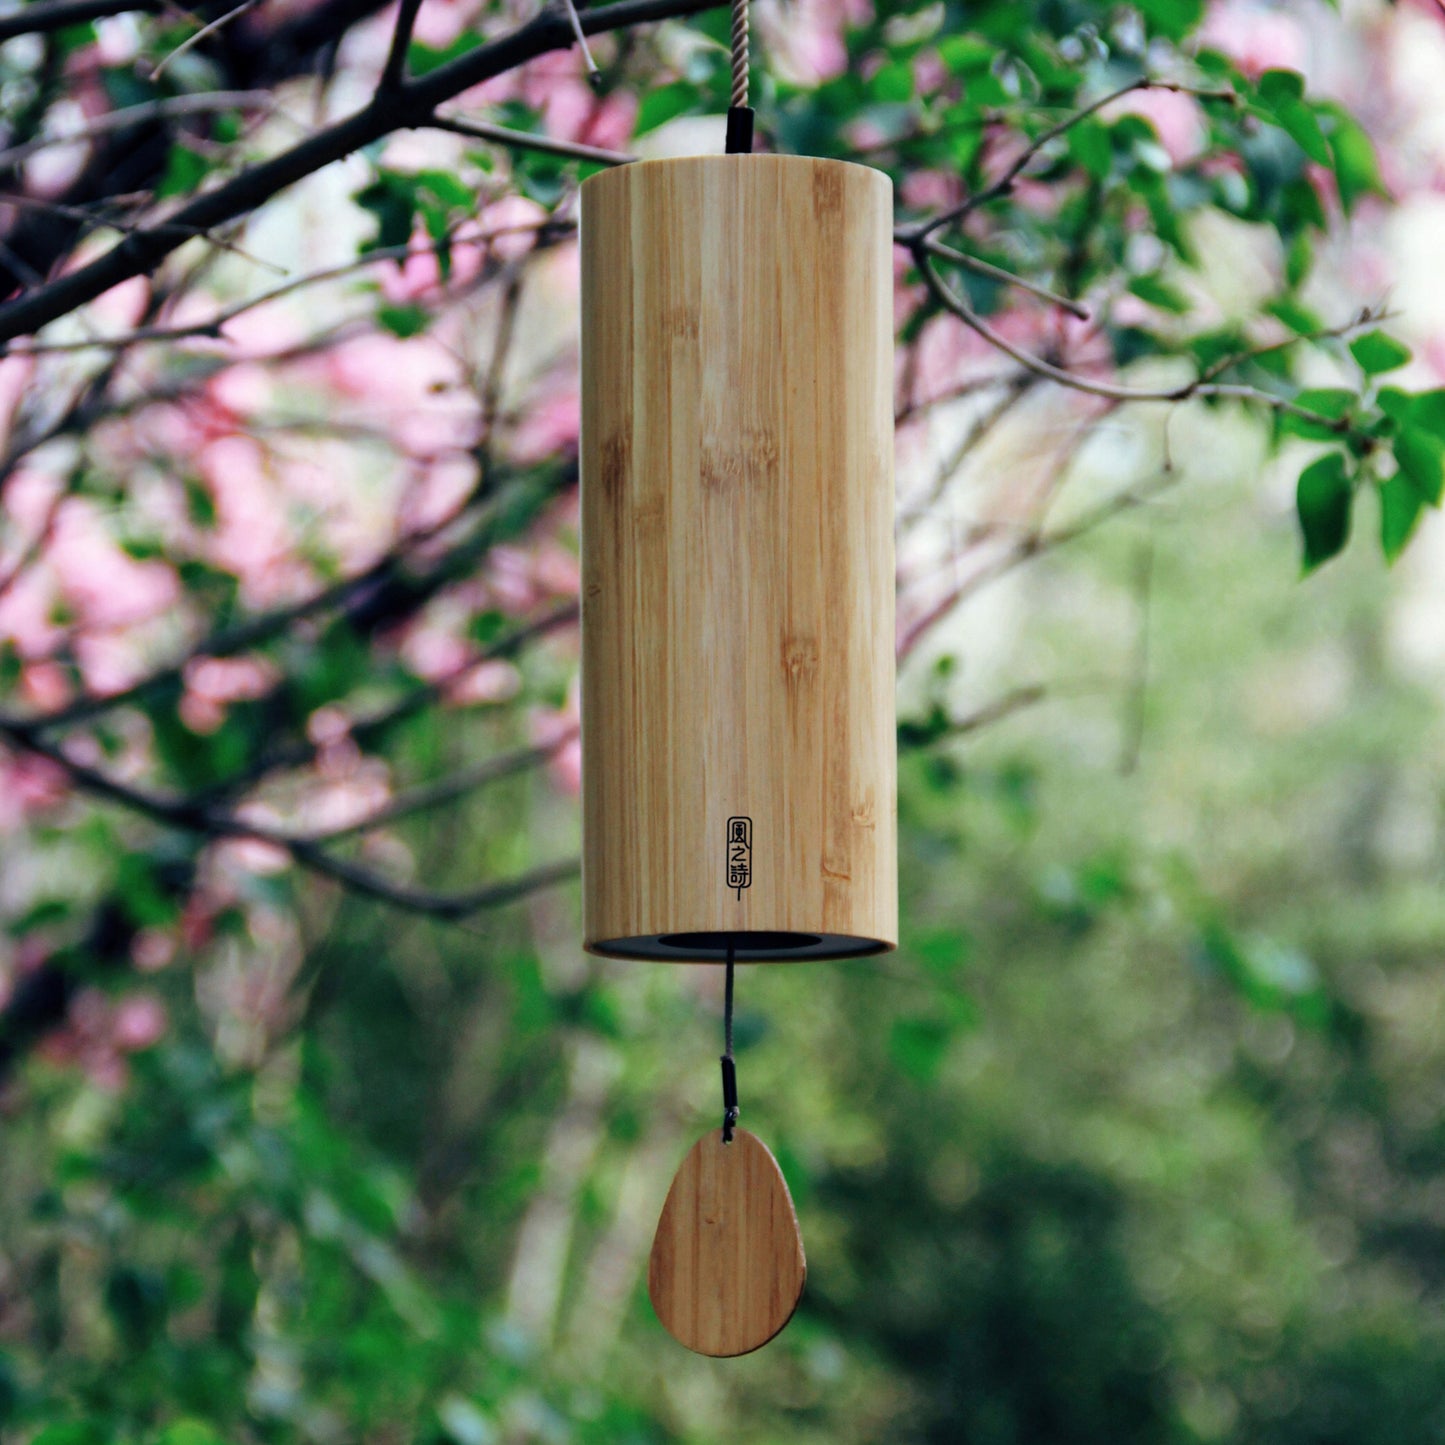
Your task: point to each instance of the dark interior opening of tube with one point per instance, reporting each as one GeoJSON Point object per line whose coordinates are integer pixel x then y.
{"type": "Point", "coordinates": [750, 945]}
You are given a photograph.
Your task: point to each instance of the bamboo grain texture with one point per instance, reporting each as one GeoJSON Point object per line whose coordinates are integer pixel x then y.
{"type": "Point", "coordinates": [737, 548]}
{"type": "Point", "coordinates": [727, 1266]}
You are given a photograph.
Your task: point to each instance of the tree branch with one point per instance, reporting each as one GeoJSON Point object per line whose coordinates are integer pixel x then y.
{"type": "Point", "coordinates": [393, 73]}
{"type": "Point", "coordinates": [52, 15]}
{"type": "Point", "coordinates": [523, 140]}
{"type": "Point", "coordinates": [1199, 386]}
{"type": "Point", "coordinates": [411, 105]}
{"type": "Point", "coordinates": [199, 103]}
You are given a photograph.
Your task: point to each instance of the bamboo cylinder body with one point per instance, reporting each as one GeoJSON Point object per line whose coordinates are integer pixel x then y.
{"type": "Point", "coordinates": [739, 736]}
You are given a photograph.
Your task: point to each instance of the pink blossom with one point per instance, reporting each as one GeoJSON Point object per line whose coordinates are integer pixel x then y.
{"type": "Point", "coordinates": [929, 191]}
{"type": "Point", "coordinates": [489, 682]}
{"type": "Point", "coordinates": [1255, 37]}
{"type": "Point", "coordinates": [27, 614]}
{"type": "Point", "coordinates": [109, 662]}
{"type": "Point", "coordinates": [328, 727]}
{"type": "Point", "coordinates": [1176, 119]}
{"type": "Point", "coordinates": [121, 308]}
{"type": "Point", "coordinates": [549, 428]}
{"type": "Point", "coordinates": [140, 1022]}
{"type": "Point", "coordinates": [152, 949]}
{"type": "Point", "coordinates": [433, 653]}
{"type": "Point", "coordinates": [29, 785]}
{"type": "Point", "coordinates": [614, 118]}
{"type": "Point", "coordinates": [105, 587]}
{"type": "Point", "coordinates": [201, 715]}
{"type": "Point", "coordinates": [511, 220]}
{"type": "Point", "coordinates": [45, 686]}
{"type": "Point", "coordinates": [508, 575]}
{"type": "Point", "coordinates": [231, 679]}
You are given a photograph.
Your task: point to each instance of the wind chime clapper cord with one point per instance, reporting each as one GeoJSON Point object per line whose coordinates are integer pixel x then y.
{"type": "Point", "coordinates": [729, 1067]}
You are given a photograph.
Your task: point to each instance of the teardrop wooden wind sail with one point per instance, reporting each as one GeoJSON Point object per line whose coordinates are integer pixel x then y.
{"type": "Point", "coordinates": [738, 724]}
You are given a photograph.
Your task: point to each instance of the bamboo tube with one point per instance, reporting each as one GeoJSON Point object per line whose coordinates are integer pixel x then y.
{"type": "Point", "coordinates": [739, 737]}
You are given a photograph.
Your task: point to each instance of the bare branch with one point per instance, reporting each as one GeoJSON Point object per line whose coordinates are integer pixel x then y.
{"type": "Point", "coordinates": [189, 816]}
{"type": "Point", "coordinates": [412, 105]}
{"type": "Point", "coordinates": [191, 41]}
{"type": "Point", "coordinates": [52, 15]}
{"type": "Point", "coordinates": [1005, 182]}
{"type": "Point", "coordinates": [523, 140]}
{"type": "Point", "coordinates": [393, 73]}
{"type": "Point", "coordinates": [996, 273]}
{"type": "Point", "coordinates": [200, 103]}
{"type": "Point", "coordinates": [447, 790]}
{"type": "Point", "coordinates": [1199, 386]}
{"type": "Point", "coordinates": [213, 327]}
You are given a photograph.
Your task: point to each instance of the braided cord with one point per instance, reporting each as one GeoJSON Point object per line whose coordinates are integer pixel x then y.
{"type": "Point", "coordinates": [740, 54]}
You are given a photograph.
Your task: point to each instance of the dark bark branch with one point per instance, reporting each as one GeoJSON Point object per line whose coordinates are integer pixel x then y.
{"type": "Point", "coordinates": [52, 15]}
{"type": "Point", "coordinates": [393, 73]}
{"type": "Point", "coordinates": [410, 106]}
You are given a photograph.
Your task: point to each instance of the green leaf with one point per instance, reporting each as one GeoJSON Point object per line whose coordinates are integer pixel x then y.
{"type": "Point", "coordinates": [1302, 126]}
{"type": "Point", "coordinates": [404, 321]}
{"type": "Point", "coordinates": [1090, 147]}
{"type": "Point", "coordinates": [1322, 499]}
{"type": "Point", "coordinates": [1331, 402]}
{"type": "Point", "coordinates": [1279, 87]}
{"type": "Point", "coordinates": [918, 1047]}
{"type": "Point", "coordinates": [1427, 411]}
{"type": "Point", "coordinates": [392, 200]}
{"type": "Point", "coordinates": [1400, 506]}
{"type": "Point", "coordinates": [1377, 352]}
{"type": "Point", "coordinates": [1173, 18]}
{"type": "Point", "coordinates": [665, 103]}
{"type": "Point", "coordinates": [1421, 455]}
{"type": "Point", "coordinates": [1357, 171]}
{"type": "Point", "coordinates": [893, 84]}
{"type": "Point", "coordinates": [1160, 293]}
{"type": "Point", "coordinates": [185, 170]}
{"type": "Point", "coordinates": [1299, 259]}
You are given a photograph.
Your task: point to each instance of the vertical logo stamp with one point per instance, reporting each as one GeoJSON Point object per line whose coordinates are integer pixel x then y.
{"type": "Point", "coordinates": [740, 854]}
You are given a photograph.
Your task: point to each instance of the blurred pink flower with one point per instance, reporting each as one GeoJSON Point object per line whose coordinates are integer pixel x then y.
{"type": "Point", "coordinates": [433, 652]}
{"type": "Point", "coordinates": [140, 1022]}
{"type": "Point", "coordinates": [488, 682]}
{"type": "Point", "coordinates": [231, 679]}
{"type": "Point", "coordinates": [104, 586]}
{"type": "Point", "coordinates": [1255, 37]}
{"type": "Point", "coordinates": [549, 427]}
{"type": "Point", "coordinates": [511, 220]}
{"type": "Point", "coordinates": [152, 949]}
{"type": "Point", "coordinates": [1176, 118]}
{"type": "Point", "coordinates": [29, 785]}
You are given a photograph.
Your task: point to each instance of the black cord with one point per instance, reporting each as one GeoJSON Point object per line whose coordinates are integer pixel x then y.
{"type": "Point", "coordinates": [729, 1068]}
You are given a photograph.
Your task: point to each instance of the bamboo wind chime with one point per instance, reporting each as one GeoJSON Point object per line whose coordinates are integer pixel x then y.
{"type": "Point", "coordinates": [737, 625]}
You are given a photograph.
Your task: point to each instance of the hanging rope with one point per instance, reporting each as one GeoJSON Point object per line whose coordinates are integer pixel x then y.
{"type": "Point", "coordinates": [740, 54]}
{"type": "Point", "coordinates": [729, 1068]}
{"type": "Point", "coordinates": [740, 115]}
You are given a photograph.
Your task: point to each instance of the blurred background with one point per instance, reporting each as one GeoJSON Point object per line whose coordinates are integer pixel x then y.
{"type": "Point", "coordinates": [315, 1122]}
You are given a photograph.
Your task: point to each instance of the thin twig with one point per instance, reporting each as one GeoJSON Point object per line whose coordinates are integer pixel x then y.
{"type": "Point", "coordinates": [1004, 184]}
{"type": "Point", "coordinates": [1197, 387]}
{"type": "Point", "coordinates": [526, 140]}
{"type": "Point", "coordinates": [191, 41]}
{"type": "Point", "coordinates": [413, 103]}
{"type": "Point", "coordinates": [997, 273]}
{"type": "Point", "coordinates": [447, 790]}
{"type": "Point", "coordinates": [212, 327]}
{"type": "Point", "coordinates": [393, 73]}
{"type": "Point", "coordinates": [201, 103]}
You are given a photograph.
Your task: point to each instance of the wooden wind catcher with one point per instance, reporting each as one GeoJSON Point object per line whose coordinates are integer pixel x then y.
{"type": "Point", "coordinates": [739, 735]}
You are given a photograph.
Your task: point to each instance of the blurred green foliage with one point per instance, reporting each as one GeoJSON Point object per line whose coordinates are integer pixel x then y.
{"type": "Point", "coordinates": [1136, 1139]}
